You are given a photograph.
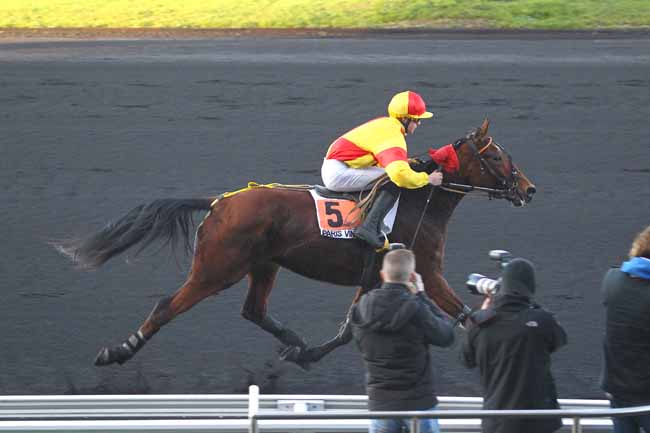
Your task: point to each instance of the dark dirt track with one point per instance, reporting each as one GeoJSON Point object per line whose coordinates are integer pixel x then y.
{"type": "Point", "coordinates": [88, 130]}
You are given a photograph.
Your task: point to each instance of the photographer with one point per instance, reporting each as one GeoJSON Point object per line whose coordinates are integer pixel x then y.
{"type": "Point", "coordinates": [626, 373]}
{"type": "Point", "coordinates": [393, 327]}
{"type": "Point", "coordinates": [511, 341]}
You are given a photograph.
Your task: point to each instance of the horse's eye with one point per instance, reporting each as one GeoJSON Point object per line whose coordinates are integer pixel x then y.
{"type": "Point", "coordinates": [497, 158]}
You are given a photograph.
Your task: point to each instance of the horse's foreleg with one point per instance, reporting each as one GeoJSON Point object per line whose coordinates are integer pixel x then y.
{"type": "Point", "coordinates": [302, 356]}
{"type": "Point", "coordinates": [438, 290]}
{"type": "Point", "coordinates": [261, 279]}
{"type": "Point", "coordinates": [165, 310]}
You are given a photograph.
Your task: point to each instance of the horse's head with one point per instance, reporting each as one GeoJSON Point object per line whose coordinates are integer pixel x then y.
{"type": "Point", "coordinates": [485, 165]}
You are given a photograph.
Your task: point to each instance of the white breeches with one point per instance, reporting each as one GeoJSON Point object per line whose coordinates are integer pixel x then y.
{"type": "Point", "coordinates": [337, 176]}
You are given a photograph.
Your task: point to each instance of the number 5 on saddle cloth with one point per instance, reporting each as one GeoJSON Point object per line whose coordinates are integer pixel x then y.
{"type": "Point", "coordinates": [338, 214]}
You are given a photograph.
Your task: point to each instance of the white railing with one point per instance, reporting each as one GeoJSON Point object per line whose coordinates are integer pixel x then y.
{"type": "Point", "coordinates": [266, 413]}
{"type": "Point", "coordinates": [576, 415]}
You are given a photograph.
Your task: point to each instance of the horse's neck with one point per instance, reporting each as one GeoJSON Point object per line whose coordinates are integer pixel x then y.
{"type": "Point", "coordinates": [433, 233]}
{"type": "Point", "coordinates": [442, 206]}
{"type": "Point", "coordinates": [438, 211]}
{"type": "Point", "coordinates": [435, 223]}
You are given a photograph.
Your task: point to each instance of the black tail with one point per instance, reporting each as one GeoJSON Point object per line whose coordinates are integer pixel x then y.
{"type": "Point", "coordinates": [169, 219]}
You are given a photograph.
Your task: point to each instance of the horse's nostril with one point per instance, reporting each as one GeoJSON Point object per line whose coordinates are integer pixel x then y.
{"type": "Point", "coordinates": [531, 190]}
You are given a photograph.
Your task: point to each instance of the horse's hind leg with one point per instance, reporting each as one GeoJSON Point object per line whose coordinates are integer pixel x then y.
{"type": "Point", "coordinates": [221, 259]}
{"type": "Point", "coordinates": [261, 279]}
{"type": "Point", "coordinates": [195, 289]}
{"type": "Point", "coordinates": [164, 311]}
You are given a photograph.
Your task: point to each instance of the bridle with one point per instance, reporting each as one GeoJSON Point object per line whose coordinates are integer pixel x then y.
{"type": "Point", "coordinates": [508, 184]}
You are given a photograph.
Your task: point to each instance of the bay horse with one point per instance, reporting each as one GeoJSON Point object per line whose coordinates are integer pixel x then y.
{"type": "Point", "coordinates": [255, 232]}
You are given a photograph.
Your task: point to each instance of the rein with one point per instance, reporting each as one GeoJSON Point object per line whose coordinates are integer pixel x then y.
{"type": "Point", "coordinates": [454, 187]}
{"type": "Point", "coordinates": [424, 212]}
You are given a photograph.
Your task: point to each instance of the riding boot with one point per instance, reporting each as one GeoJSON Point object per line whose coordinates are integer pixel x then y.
{"type": "Point", "coordinates": [370, 230]}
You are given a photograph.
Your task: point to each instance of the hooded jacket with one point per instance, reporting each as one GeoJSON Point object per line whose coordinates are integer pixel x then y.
{"type": "Point", "coordinates": [511, 344]}
{"type": "Point", "coordinates": [626, 293]}
{"type": "Point", "coordinates": [393, 330]}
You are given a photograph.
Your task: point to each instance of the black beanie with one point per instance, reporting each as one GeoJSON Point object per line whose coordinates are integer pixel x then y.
{"type": "Point", "coordinates": [518, 278]}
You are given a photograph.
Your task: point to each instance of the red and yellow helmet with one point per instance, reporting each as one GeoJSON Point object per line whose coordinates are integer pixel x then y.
{"type": "Point", "coordinates": [408, 104]}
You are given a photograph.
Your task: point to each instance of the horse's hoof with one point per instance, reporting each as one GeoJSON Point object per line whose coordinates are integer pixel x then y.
{"type": "Point", "coordinates": [119, 354]}
{"type": "Point", "coordinates": [103, 358]}
{"type": "Point", "coordinates": [296, 355]}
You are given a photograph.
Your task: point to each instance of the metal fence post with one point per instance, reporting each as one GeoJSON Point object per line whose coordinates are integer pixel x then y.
{"type": "Point", "coordinates": [415, 425]}
{"type": "Point", "coordinates": [577, 427]}
{"type": "Point", "coordinates": [253, 407]}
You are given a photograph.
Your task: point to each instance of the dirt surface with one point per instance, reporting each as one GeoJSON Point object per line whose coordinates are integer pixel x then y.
{"type": "Point", "coordinates": [91, 129]}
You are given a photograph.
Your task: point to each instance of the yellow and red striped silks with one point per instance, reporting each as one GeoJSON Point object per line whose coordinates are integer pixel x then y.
{"type": "Point", "coordinates": [378, 142]}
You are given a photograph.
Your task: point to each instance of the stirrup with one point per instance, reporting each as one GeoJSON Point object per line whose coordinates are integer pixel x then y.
{"type": "Point", "coordinates": [386, 245]}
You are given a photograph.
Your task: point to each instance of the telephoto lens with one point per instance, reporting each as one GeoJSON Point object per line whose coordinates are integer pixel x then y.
{"type": "Point", "coordinates": [479, 284]}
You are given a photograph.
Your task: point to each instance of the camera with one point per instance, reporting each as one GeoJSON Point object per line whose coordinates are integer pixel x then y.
{"type": "Point", "coordinates": [479, 284]}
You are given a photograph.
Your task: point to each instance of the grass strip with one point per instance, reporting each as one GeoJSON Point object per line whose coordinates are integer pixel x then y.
{"type": "Point", "coordinates": [380, 14]}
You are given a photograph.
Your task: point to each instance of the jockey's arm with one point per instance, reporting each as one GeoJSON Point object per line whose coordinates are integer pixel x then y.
{"type": "Point", "coordinates": [402, 175]}
{"type": "Point", "coordinates": [391, 153]}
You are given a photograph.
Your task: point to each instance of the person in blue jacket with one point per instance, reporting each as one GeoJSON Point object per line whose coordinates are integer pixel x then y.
{"type": "Point", "coordinates": [626, 370]}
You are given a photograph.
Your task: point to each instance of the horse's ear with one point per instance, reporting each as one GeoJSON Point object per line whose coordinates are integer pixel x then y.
{"type": "Point", "coordinates": [482, 131]}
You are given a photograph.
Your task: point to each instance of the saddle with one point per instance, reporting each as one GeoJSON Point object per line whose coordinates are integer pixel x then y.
{"type": "Point", "coordinates": [328, 193]}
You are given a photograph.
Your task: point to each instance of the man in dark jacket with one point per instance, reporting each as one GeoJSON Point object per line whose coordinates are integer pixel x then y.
{"type": "Point", "coordinates": [626, 373]}
{"type": "Point", "coordinates": [393, 327]}
{"type": "Point", "coordinates": [511, 343]}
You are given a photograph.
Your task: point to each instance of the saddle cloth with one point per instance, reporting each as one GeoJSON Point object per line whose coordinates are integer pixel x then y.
{"type": "Point", "coordinates": [337, 218]}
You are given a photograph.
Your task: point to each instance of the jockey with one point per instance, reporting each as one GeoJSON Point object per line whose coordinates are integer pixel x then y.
{"type": "Point", "coordinates": [378, 147]}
